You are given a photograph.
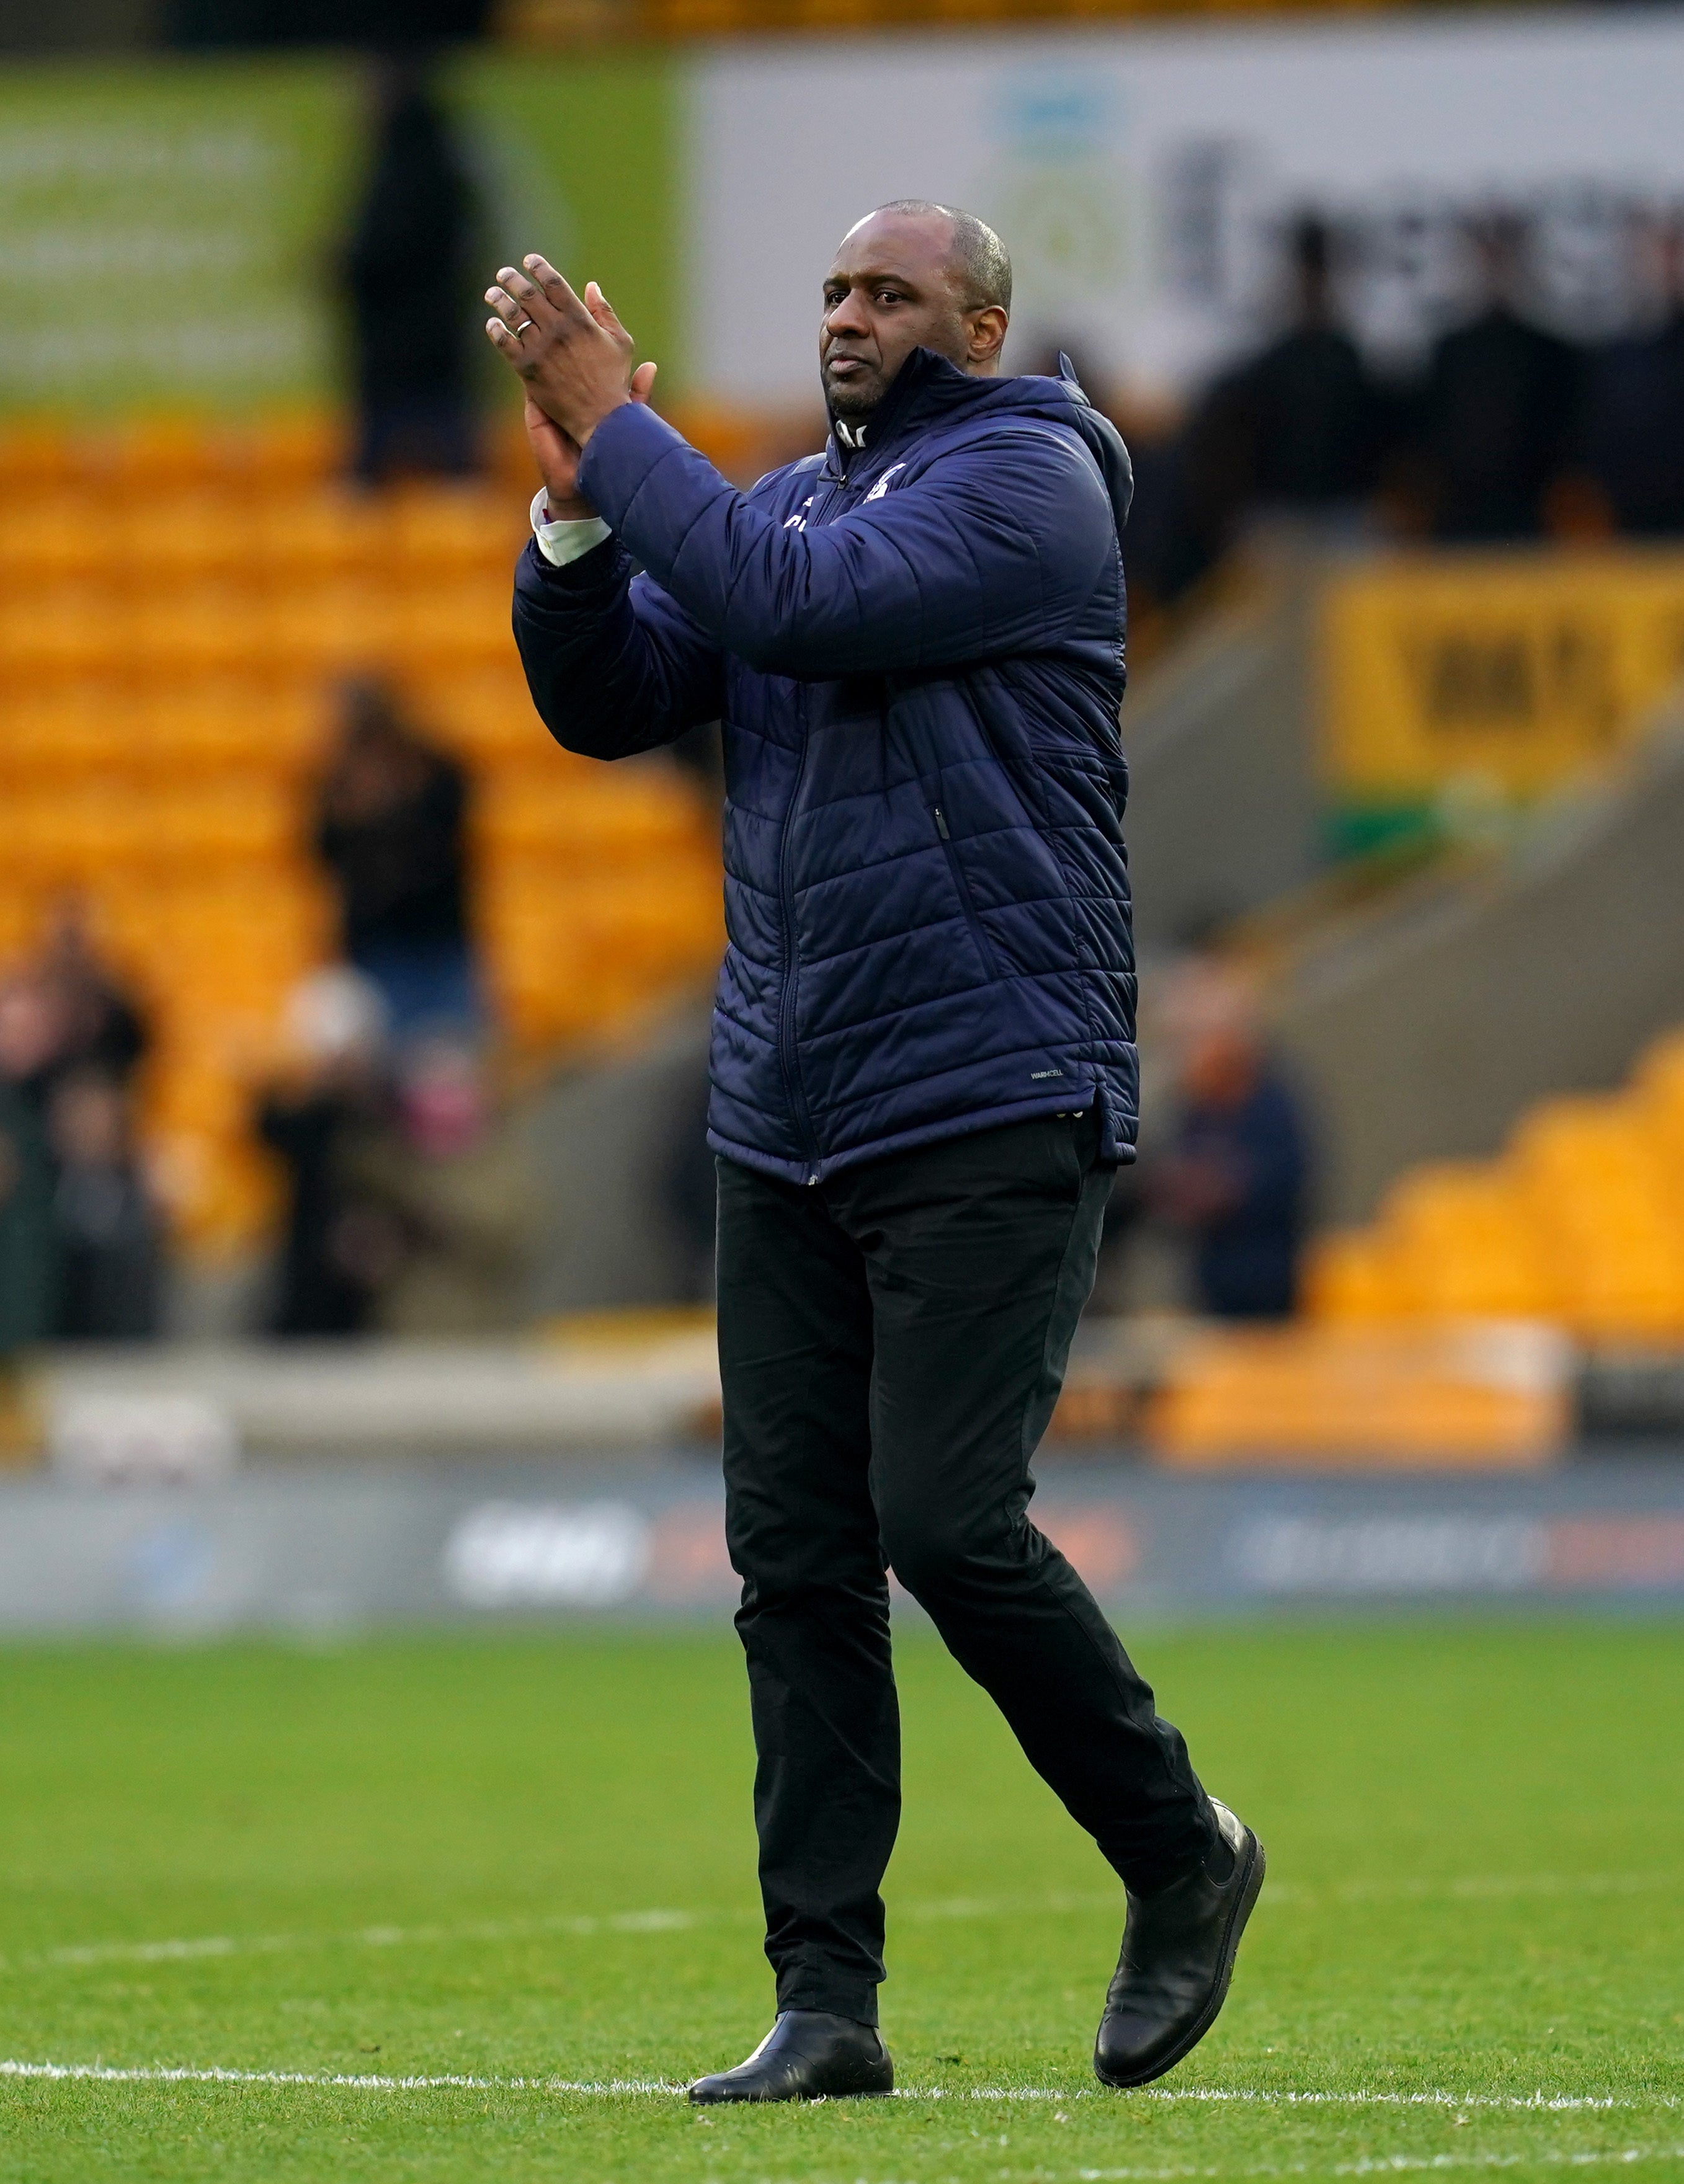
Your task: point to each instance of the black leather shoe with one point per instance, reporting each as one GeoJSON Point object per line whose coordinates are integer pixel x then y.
{"type": "Point", "coordinates": [808, 2055]}
{"type": "Point", "coordinates": [1179, 1945]}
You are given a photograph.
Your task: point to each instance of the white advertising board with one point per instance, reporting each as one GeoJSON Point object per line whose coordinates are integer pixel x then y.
{"type": "Point", "coordinates": [1142, 178]}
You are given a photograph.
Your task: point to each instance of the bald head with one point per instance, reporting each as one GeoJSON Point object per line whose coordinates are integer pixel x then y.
{"type": "Point", "coordinates": [977, 259]}
{"type": "Point", "coordinates": [913, 273]}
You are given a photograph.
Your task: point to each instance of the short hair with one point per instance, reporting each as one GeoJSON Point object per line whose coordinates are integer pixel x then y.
{"type": "Point", "coordinates": [981, 254]}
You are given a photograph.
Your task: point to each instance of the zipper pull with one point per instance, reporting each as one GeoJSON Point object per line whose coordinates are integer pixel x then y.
{"type": "Point", "coordinates": [940, 823]}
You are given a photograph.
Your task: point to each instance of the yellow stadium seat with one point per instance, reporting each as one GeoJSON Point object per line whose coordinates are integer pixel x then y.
{"type": "Point", "coordinates": [188, 539]}
{"type": "Point", "coordinates": [183, 635]}
{"type": "Point", "coordinates": [437, 534]}
{"type": "Point", "coordinates": [47, 644]}
{"type": "Point", "coordinates": [36, 459]}
{"type": "Point", "coordinates": [151, 457]}
{"type": "Point", "coordinates": [278, 456]}
{"type": "Point", "coordinates": [55, 546]}
{"type": "Point", "coordinates": [314, 538]}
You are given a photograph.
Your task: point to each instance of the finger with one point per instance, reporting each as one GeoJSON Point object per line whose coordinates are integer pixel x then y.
{"type": "Point", "coordinates": [514, 316]}
{"type": "Point", "coordinates": [643, 382]}
{"type": "Point", "coordinates": [559, 297]}
{"type": "Point", "coordinates": [532, 299]}
{"type": "Point", "coordinates": [501, 337]}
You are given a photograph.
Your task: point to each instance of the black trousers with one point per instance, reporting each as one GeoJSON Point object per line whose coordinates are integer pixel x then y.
{"type": "Point", "coordinates": [891, 1345]}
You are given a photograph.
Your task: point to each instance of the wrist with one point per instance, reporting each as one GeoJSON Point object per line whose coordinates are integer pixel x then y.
{"type": "Point", "coordinates": [582, 434]}
{"type": "Point", "coordinates": [566, 507]}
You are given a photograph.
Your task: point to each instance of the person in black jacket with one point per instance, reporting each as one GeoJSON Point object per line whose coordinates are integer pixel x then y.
{"type": "Point", "coordinates": [922, 1063]}
{"type": "Point", "coordinates": [390, 827]}
{"type": "Point", "coordinates": [109, 1233]}
{"type": "Point", "coordinates": [1308, 410]}
{"type": "Point", "coordinates": [337, 1248]}
{"type": "Point", "coordinates": [1636, 404]}
{"type": "Point", "coordinates": [407, 282]}
{"type": "Point", "coordinates": [1500, 409]}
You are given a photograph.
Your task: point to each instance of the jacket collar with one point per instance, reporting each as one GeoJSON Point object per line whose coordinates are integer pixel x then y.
{"type": "Point", "coordinates": [925, 385]}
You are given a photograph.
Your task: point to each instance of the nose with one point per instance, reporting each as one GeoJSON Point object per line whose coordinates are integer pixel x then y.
{"type": "Point", "coordinates": [846, 317]}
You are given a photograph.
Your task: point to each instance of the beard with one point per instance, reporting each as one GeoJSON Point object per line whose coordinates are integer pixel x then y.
{"type": "Point", "coordinates": [853, 399]}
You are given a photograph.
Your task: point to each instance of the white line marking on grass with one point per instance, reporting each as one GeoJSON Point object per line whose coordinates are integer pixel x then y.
{"type": "Point", "coordinates": [180, 1951]}
{"type": "Point", "coordinates": [377, 2082]}
{"type": "Point", "coordinates": [1387, 2165]}
{"type": "Point", "coordinates": [1278, 1895]}
{"type": "Point", "coordinates": [1508, 2103]}
{"type": "Point", "coordinates": [362, 2081]}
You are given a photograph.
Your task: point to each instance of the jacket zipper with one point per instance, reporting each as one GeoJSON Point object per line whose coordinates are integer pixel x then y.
{"type": "Point", "coordinates": [984, 945]}
{"type": "Point", "coordinates": [786, 1007]}
{"type": "Point", "coordinates": [788, 1056]}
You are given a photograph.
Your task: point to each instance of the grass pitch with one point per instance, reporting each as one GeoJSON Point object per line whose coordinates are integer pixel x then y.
{"type": "Point", "coordinates": [525, 1866]}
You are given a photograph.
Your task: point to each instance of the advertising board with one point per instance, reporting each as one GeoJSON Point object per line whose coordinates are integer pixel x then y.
{"type": "Point", "coordinates": [356, 1546]}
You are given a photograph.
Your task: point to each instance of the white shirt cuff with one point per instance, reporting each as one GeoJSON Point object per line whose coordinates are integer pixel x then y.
{"type": "Point", "coordinates": [564, 541]}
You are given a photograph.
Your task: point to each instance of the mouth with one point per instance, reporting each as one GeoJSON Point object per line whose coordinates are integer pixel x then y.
{"type": "Point", "coordinates": [845, 367]}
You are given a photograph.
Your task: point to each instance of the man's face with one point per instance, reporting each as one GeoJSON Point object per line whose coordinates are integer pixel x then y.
{"type": "Point", "coordinates": [892, 287]}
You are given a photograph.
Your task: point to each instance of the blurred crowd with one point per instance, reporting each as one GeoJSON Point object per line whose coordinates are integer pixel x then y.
{"type": "Point", "coordinates": [405, 1199]}
{"type": "Point", "coordinates": [80, 1225]}
{"type": "Point", "coordinates": [1510, 433]}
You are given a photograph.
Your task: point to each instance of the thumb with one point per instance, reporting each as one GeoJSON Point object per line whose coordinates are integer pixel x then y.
{"type": "Point", "coordinates": [643, 381]}
{"type": "Point", "coordinates": [604, 312]}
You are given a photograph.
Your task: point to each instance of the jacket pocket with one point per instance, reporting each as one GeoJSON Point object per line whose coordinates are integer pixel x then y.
{"type": "Point", "coordinates": [984, 944]}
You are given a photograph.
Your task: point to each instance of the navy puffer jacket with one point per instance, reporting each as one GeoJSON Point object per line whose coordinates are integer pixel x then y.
{"type": "Point", "coordinates": [915, 646]}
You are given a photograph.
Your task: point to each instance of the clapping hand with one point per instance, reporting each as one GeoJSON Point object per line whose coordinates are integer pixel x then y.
{"type": "Point", "coordinates": [574, 359]}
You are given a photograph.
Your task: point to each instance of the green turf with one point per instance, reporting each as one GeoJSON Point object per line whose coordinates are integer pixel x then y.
{"type": "Point", "coordinates": [435, 1856]}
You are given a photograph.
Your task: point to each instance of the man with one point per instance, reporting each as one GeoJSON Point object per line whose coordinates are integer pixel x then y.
{"type": "Point", "coordinates": [923, 1073]}
{"type": "Point", "coordinates": [1635, 403]}
{"type": "Point", "coordinates": [1308, 412]}
{"type": "Point", "coordinates": [1238, 1175]}
{"type": "Point", "coordinates": [1500, 408]}
{"type": "Point", "coordinates": [405, 275]}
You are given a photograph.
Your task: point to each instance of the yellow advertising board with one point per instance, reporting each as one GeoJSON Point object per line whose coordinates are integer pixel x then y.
{"type": "Point", "coordinates": [1517, 671]}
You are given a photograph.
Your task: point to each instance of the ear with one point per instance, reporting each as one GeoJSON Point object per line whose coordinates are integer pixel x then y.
{"type": "Point", "coordinates": [985, 335]}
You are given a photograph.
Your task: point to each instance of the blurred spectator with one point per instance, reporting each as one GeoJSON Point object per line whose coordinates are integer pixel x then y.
{"type": "Point", "coordinates": [1307, 414]}
{"type": "Point", "coordinates": [453, 1183]}
{"type": "Point", "coordinates": [108, 1233]}
{"type": "Point", "coordinates": [1634, 407]}
{"type": "Point", "coordinates": [1299, 427]}
{"type": "Point", "coordinates": [29, 1282]}
{"type": "Point", "coordinates": [65, 1010]}
{"type": "Point", "coordinates": [1500, 410]}
{"type": "Point", "coordinates": [389, 827]}
{"type": "Point", "coordinates": [409, 286]}
{"type": "Point", "coordinates": [338, 1247]}
{"type": "Point", "coordinates": [1236, 1180]}
{"type": "Point", "coordinates": [104, 1028]}
{"type": "Point", "coordinates": [35, 1035]}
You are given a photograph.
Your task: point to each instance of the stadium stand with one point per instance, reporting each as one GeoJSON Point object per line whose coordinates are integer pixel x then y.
{"type": "Point", "coordinates": [180, 606]}
{"type": "Point", "coordinates": [1580, 1220]}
